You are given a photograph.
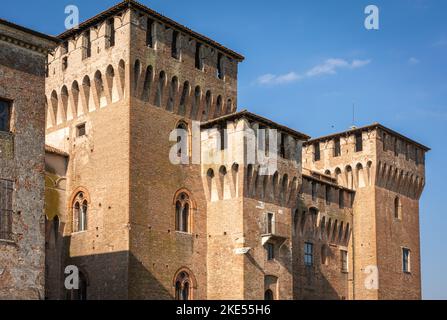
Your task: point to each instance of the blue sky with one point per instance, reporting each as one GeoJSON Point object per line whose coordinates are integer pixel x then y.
{"type": "Point", "coordinates": [307, 63]}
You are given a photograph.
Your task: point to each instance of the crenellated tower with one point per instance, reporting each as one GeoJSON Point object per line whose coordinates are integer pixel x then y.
{"type": "Point", "coordinates": [387, 172]}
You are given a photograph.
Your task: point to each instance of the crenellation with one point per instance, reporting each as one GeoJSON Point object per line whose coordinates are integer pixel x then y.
{"type": "Point", "coordinates": [153, 175]}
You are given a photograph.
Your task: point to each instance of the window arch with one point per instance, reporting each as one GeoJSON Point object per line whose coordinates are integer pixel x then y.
{"type": "Point", "coordinates": [218, 110]}
{"type": "Point", "coordinates": [195, 107]}
{"type": "Point", "coordinates": [183, 286]}
{"type": "Point", "coordinates": [149, 75]}
{"type": "Point", "coordinates": [183, 140]}
{"type": "Point", "coordinates": [229, 106]}
{"type": "Point", "coordinates": [184, 99]}
{"type": "Point", "coordinates": [80, 212]}
{"type": "Point", "coordinates": [160, 89]}
{"type": "Point", "coordinates": [183, 208]}
{"type": "Point", "coordinates": [172, 93]}
{"type": "Point", "coordinates": [136, 75]}
{"type": "Point", "coordinates": [206, 112]}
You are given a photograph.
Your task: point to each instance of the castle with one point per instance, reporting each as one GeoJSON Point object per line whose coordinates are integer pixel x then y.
{"type": "Point", "coordinates": [129, 90]}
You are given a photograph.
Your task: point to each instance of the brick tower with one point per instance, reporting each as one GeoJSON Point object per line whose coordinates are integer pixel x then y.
{"type": "Point", "coordinates": [387, 172]}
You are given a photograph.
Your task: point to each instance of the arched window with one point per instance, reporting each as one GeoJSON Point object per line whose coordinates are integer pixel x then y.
{"type": "Point", "coordinates": [136, 75]}
{"type": "Point", "coordinates": [183, 286]}
{"type": "Point", "coordinates": [147, 84]}
{"type": "Point", "coordinates": [229, 106]}
{"type": "Point", "coordinates": [184, 99]}
{"type": "Point", "coordinates": [182, 213]}
{"type": "Point", "coordinates": [268, 296]}
{"type": "Point", "coordinates": [80, 209]}
{"type": "Point", "coordinates": [182, 140]}
{"type": "Point", "coordinates": [397, 208]}
{"type": "Point", "coordinates": [218, 110]}
{"type": "Point", "coordinates": [207, 106]}
{"type": "Point", "coordinates": [196, 102]}
{"type": "Point", "coordinates": [160, 89]}
{"type": "Point", "coordinates": [172, 93]}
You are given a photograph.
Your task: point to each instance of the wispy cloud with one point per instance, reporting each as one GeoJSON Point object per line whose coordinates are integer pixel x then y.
{"type": "Point", "coordinates": [413, 61]}
{"type": "Point", "coordinates": [278, 79]}
{"type": "Point", "coordinates": [328, 67]}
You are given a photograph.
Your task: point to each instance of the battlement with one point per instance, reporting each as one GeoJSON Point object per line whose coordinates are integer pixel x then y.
{"type": "Point", "coordinates": [159, 61]}
{"type": "Point", "coordinates": [242, 139]}
{"type": "Point", "coordinates": [371, 155]}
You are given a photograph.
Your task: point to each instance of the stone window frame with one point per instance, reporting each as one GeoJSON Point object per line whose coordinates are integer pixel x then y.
{"type": "Point", "coordinates": [308, 254]}
{"type": "Point", "coordinates": [71, 208]}
{"type": "Point", "coordinates": [406, 260]}
{"type": "Point", "coordinates": [182, 277]}
{"type": "Point", "coordinates": [183, 197]}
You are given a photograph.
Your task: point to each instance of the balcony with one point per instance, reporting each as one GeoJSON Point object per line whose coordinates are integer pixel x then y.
{"type": "Point", "coordinates": [274, 232]}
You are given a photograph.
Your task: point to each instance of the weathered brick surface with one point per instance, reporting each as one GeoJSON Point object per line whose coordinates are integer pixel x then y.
{"type": "Point", "coordinates": [132, 249]}
{"type": "Point", "coordinates": [22, 69]}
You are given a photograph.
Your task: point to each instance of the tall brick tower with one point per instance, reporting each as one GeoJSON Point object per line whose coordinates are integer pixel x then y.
{"type": "Point", "coordinates": [387, 172]}
{"type": "Point", "coordinates": [160, 189]}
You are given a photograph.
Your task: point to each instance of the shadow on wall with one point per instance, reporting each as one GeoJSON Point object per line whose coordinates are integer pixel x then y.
{"type": "Point", "coordinates": [106, 275]}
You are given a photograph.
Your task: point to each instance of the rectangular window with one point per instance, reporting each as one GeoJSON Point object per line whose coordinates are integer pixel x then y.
{"type": "Point", "coordinates": [317, 155]}
{"type": "Point", "coordinates": [150, 33]}
{"type": "Point", "coordinates": [282, 146]}
{"type": "Point", "coordinates": [5, 115]}
{"type": "Point", "coordinates": [358, 142]}
{"type": "Point", "coordinates": [328, 195]}
{"type": "Point", "coordinates": [308, 254]}
{"type": "Point", "coordinates": [270, 248]}
{"type": "Point", "coordinates": [344, 260]}
{"type": "Point", "coordinates": [314, 191]}
{"type": "Point", "coordinates": [174, 46]}
{"type": "Point", "coordinates": [199, 64]}
{"type": "Point", "coordinates": [406, 260]}
{"type": "Point", "coordinates": [341, 199]}
{"type": "Point", "coordinates": [64, 47]}
{"type": "Point", "coordinates": [6, 194]}
{"type": "Point", "coordinates": [223, 137]}
{"type": "Point", "coordinates": [80, 130]}
{"type": "Point", "coordinates": [270, 223]}
{"type": "Point", "coordinates": [220, 73]}
{"type": "Point", "coordinates": [87, 45]}
{"type": "Point", "coordinates": [337, 147]}
{"type": "Point", "coordinates": [110, 33]}
{"type": "Point", "coordinates": [64, 63]}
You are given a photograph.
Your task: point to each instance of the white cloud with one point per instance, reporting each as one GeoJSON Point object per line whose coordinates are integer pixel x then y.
{"type": "Point", "coordinates": [413, 61]}
{"type": "Point", "coordinates": [328, 67]}
{"type": "Point", "coordinates": [279, 79]}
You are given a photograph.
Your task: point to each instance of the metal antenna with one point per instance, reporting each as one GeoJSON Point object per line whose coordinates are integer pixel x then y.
{"type": "Point", "coordinates": [353, 116]}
